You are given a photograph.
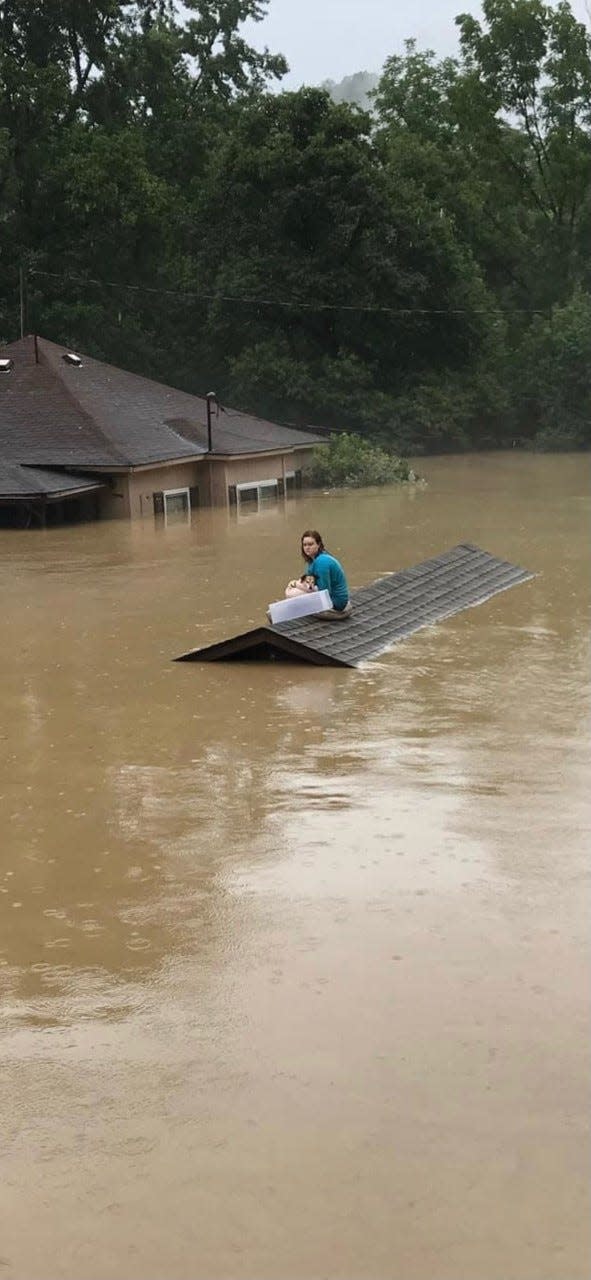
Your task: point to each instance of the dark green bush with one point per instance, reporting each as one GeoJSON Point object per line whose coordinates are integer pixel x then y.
{"type": "Point", "coordinates": [350, 461]}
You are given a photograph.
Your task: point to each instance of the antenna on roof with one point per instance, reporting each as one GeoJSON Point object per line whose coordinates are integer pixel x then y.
{"type": "Point", "coordinates": [211, 395]}
{"type": "Point", "coordinates": [22, 291]}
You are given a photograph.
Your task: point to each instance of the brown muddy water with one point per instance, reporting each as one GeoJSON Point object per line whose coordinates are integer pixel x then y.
{"type": "Point", "coordinates": [294, 960]}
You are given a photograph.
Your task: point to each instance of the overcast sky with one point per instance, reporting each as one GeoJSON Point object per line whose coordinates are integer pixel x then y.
{"type": "Point", "coordinates": [329, 39]}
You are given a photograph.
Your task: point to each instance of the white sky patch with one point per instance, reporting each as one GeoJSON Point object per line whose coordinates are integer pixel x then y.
{"type": "Point", "coordinates": [329, 39]}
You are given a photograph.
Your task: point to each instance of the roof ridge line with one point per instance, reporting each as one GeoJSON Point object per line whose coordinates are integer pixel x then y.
{"type": "Point", "coordinates": [75, 401]}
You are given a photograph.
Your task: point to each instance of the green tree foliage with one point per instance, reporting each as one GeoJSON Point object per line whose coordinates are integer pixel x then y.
{"type": "Point", "coordinates": [106, 113]}
{"type": "Point", "coordinates": [552, 387]}
{"type": "Point", "coordinates": [529, 75]}
{"type": "Point", "coordinates": [501, 140]}
{"type": "Point", "coordinates": [348, 460]}
{"type": "Point", "coordinates": [299, 208]}
{"type": "Point", "coordinates": [418, 273]}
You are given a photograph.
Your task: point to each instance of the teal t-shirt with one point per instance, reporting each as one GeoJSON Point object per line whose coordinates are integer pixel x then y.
{"type": "Point", "coordinates": [329, 576]}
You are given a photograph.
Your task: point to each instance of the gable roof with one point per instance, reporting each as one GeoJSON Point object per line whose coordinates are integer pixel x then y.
{"type": "Point", "coordinates": [384, 612]}
{"type": "Point", "coordinates": [94, 415]}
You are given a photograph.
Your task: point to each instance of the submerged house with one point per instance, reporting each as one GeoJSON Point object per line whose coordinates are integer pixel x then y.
{"type": "Point", "coordinates": [83, 439]}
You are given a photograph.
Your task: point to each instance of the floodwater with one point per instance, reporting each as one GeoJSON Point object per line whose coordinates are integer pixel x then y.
{"type": "Point", "coordinates": [294, 959]}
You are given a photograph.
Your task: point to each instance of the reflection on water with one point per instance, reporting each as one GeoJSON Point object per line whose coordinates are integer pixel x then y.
{"type": "Point", "coordinates": [269, 928]}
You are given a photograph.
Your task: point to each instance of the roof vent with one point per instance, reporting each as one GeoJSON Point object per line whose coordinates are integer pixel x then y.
{"type": "Point", "coordinates": [71, 358]}
{"type": "Point", "coordinates": [6, 365]}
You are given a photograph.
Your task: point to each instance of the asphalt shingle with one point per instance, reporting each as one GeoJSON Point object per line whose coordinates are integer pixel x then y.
{"type": "Point", "coordinates": [32, 482]}
{"type": "Point", "coordinates": [54, 413]}
{"type": "Point", "coordinates": [384, 612]}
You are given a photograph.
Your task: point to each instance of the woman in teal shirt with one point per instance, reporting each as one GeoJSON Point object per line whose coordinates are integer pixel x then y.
{"type": "Point", "coordinates": [328, 574]}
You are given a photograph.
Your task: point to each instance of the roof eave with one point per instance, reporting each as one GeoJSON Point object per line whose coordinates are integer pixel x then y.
{"type": "Point", "coordinates": [55, 495]}
{"type": "Point", "coordinates": [170, 461]}
{"type": "Point", "coordinates": [261, 453]}
{"type": "Point", "coordinates": [264, 638]}
{"type": "Point", "coordinates": [115, 468]}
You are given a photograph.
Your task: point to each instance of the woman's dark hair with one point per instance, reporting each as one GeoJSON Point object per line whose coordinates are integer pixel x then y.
{"type": "Point", "coordinates": [312, 533]}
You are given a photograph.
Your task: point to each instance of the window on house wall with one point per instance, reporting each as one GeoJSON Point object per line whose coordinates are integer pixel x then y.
{"type": "Point", "coordinates": [247, 495]}
{"type": "Point", "coordinates": [268, 491]}
{"type": "Point", "coordinates": [174, 505]}
{"type": "Point", "coordinates": [253, 496]}
{"type": "Point", "coordinates": [164, 501]}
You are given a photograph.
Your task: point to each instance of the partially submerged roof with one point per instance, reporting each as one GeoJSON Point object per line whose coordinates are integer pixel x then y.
{"type": "Point", "coordinates": [384, 612]}
{"type": "Point", "coordinates": [90, 414]}
{"type": "Point", "coordinates": [234, 433]}
{"type": "Point", "coordinates": [24, 484]}
{"type": "Point", "coordinates": [41, 423]}
{"type": "Point", "coordinates": [55, 411]}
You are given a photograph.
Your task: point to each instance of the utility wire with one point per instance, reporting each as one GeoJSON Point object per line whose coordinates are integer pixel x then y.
{"type": "Point", "coordinates": [307, 306]}
{"type": "Point", "coordinates": [294, 305]}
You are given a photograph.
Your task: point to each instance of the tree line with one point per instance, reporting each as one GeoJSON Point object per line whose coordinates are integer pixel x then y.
{"type": "Point", "coordinates": [418, 272]}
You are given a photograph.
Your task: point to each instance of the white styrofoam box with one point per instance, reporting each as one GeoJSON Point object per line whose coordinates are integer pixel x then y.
{"type": "Point", "coordinates": [311, 602]}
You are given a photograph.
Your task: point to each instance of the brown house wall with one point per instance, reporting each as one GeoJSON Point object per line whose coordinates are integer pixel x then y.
{"type": "Point", "coordinates": [114, 500]}
{"type": "Point", "coordinates": [243, 470]}
{"type": "Point", "coordinates": [131, 496]}
{"type": "Point", "coordinates": [144, 484]}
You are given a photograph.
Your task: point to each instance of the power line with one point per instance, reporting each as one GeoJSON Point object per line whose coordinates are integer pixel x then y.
{"type": "Point", "coordinates": [294, 304]}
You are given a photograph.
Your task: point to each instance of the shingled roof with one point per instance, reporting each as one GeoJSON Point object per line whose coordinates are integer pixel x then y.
{"type": "Point", "coordinates": [235, 433]}
{"type": "Point", "coordinates": [17, 482]}
{"type": "Point", "coordinates": [384, 612]}
{"type": "Point", "coordinates": [93, 415]}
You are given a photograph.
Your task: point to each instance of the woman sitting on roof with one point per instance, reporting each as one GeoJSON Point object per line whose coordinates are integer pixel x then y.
{"type": "Point", "coordinates": [327, 573]}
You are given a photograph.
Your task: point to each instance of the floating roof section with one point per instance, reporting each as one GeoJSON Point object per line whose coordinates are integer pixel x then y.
{"type": "Point", "coordinates": [384, 612]}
